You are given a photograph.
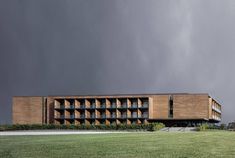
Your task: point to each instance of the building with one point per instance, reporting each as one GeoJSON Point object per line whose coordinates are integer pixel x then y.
{"type": "Point", "coordinates": [172, 109]}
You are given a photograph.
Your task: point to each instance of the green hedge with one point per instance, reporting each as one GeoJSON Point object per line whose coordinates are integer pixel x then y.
{"type": "Point", "coordinates": [156, 126]}
{"type": "Point", "coordinates": [143, 127]}
{"type": "Point", "coordinates": [205, 126]}
{"type": "Point", "coordinates": [202, 127]}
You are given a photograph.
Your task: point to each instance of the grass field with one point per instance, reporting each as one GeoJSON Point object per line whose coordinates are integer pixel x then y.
{"type": "Point", "coordinates": [129, 145]}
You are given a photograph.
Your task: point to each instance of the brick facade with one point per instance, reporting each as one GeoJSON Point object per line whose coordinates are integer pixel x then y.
{"type": "Point", "coordinates": [115, 109]}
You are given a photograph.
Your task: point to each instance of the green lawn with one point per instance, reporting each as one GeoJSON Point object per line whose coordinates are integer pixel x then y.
{"type": "Point", "coordinates": [130, 145]}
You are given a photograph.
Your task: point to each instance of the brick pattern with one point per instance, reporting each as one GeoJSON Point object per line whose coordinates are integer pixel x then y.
{"type": "Point", "coordinates": [191, 106]}
{"type": "Point", "coordinates": [50, 110]}
{"type": "Point", "coordinates": [160, 106]}
{"type": "Point", "coordinates": [27, 110]}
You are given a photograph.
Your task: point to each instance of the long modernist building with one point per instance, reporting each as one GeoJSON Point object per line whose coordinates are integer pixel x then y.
{"type": "Point", "coordinates": [171, 109]}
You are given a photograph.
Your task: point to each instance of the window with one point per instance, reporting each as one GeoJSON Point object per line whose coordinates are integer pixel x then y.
{"type": "Point", "coordinates": [170, 113]}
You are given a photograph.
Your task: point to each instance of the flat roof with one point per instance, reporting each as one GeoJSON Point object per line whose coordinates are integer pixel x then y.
{"type": "Point", "coordinates": [127, 94]}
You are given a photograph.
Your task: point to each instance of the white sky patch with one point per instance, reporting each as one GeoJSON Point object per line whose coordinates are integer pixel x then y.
{"type": "Point", "coordinates": [181, 44]}
{"type": "Point", "coordinates": [179, 66]}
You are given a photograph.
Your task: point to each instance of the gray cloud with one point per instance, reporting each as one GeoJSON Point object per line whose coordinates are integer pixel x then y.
{"type": "Point", "coordinates": [99, 47]}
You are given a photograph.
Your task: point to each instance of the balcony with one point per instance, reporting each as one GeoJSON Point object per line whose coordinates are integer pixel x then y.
{"type": "Point", "coordinates": [134, 116]}
{"type": "Point", "coordinates": [92, 116]}
{"type": "Point", "coordinates": [69, 116]}
{"type": "Point", "coordinates": [102, 106]}
{"type": "Point", "coordinates": [216, 109]}
{"type": "Point", "coordinates": [113, 103]}
{"type": "Point", "coordinates": [82, 116]}
{"type": "Point", "coordinates": [123, 116]}
{"type": "Point", "coordinates": [123, 106]}
{"type": "Point", "coordinates": [111, 116]}
{"type": "Point", "coordinates": [59, 117]}
{"type": "Point", "coordinates": [113, 106]}
{"type": "Point", "coordinates": [144, 106]}
{"type": "Point", "coordinates": [144, 116]}
{"type": "Point", "coordinates": [134, 106]}
{"type": "Point", "coordinates": [216, 118]}
{"type": "Point", "coordinates": [134, 122]}
{"type": "Point", "coordinates": [102, 116]}
{"type": "Point", "coordinates": [81, 107]}
{"type": "Point", "coordinates": [77, 116]}
{"type": "Point", "coordinates": [70, 107]}
{"type": "Point", "coordinates": [59, 107]}
{"type": "Point", "coordinates": [91, 107]}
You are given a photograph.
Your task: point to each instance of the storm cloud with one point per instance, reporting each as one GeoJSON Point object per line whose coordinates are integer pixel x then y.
{"type": "Point", "coordinates": [82, 47]}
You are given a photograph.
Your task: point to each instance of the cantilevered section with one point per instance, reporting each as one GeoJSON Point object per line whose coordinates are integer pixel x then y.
{"type": "Point", "coordinates": [171, 109]}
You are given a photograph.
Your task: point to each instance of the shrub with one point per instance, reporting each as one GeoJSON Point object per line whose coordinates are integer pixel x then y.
{"type": "Point", "coordinates": [113, 127]}
{"type": "Point", "coordinates": [155, 126]}
{"type": "Point", "coordinates": [149, 127]}
{"type": "Point", "coordinates": [36, 126]}
{"type": "Point", "coordinates": [121, 127]}
{"type": "Point", "coordinates": [159, 126]}
{"type": "Point", "coordinates": [223, 126]}
{"type": "Point", "coordinates": [3, 128]}
{"type": "Point", "coordinates": [134, 126]}
{"type": "Point", "coordinates": [72, 127]}
{"type": "Point", "coordinates": [107, 127]}
{"type": "Point", "coordinates": [88, 127]}
{"type": "Point", "coordinates": [202, 127]}
{"type": "Point", "coordinates": [102, 127]}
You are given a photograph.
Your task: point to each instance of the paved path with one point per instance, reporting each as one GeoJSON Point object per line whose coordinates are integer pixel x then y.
{"type": "Point", "coordinates": [55, 132]}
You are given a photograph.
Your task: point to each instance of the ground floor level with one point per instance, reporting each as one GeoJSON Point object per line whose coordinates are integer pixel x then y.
{"type": "Point", "coordinates": [182, 122]}
{"type": "Point", "coordinates": [133, 121]}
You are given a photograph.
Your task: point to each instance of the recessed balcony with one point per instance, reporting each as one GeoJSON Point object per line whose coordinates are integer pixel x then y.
{"type": "Point", "coordinates": [123, 106]}
{"type": "Point", "coordinates": [123, 116]}
{"type": "Point", "coordinates": [92, 116]}
{"type": "Point", "coordinates": [133, 106]}
{"type": "Point", "coordinates": [112, 107]}
{"type": "Point", "coordinates": [92, 107]}
{"type": "Point", "coordinates": [144, 105]}
{"type": "Point", "coordinates": [111, 116]}
{"type": "Point", "coordinates": [143, 116]}
{"type": "Point", "coordinates": [70, 107]}
{"type": "Point", "coordinates": [59, 107]}
{"type": "Point", "coordinates": [81, 107]}
{"type": "Point", "coordinates": [134, 116]}
{"type": "Point", "coordinates": [72, 116]}
{"type": "Point", "coordinates": [102, 106]}
{"type": "Point", "coordinates": [59, 117]}
{"type": "Point", "coordinates": [82, 116]}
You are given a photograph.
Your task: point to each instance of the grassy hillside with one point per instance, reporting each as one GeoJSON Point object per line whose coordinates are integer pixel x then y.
{"type": "Point", "coordinates": [130, 145]}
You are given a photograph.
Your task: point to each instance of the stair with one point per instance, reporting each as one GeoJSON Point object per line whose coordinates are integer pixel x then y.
{"type": "Point", "coordinates": [178, 129]}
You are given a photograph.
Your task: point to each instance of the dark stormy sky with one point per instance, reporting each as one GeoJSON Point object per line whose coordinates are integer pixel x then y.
{"type": "Point", "coordinates": [75, 47]}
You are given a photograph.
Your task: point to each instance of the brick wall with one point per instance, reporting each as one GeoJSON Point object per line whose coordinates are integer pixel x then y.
{"type": "Point", "coordinates": [191, 106]}
{"type": "Point", "coordinates": [27, 110]}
